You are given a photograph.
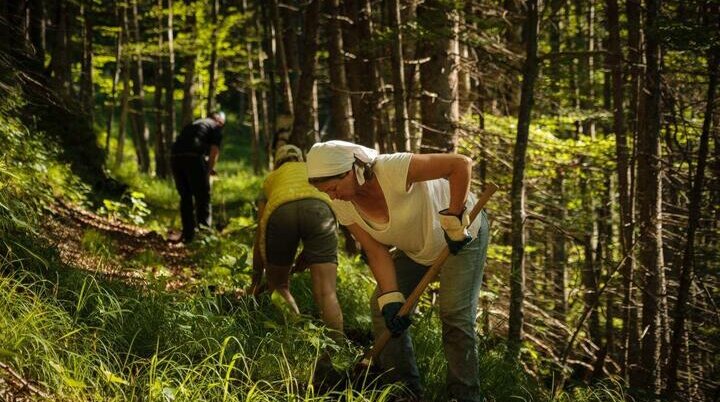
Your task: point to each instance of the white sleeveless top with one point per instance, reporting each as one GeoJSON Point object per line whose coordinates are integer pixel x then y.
{"type": "Point", "coordinates": [413, 226]}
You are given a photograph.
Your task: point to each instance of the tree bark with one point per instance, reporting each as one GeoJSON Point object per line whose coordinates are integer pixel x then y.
{"type": "Point", "coordinates": [303, 127]}
{"type": "Point", "coordinates": [212, 68]}
{"type": "Point", "coordinates": [125, 98]}
{"type": "Point", "coordinates": [254, 115]}
{"type": "Point", "coordinates": [614, 61]}
{"type": "Point", "coordinates": [187, 114]}
{"type": "Point", "coordinates": [60, 61]}
{"type": "Point", "coordinates": [649, 200]}
{"type": "Point", "coordinates": [86, 80]}
{"type": "Point", "coordinates": [278, 39]}
{"type": "Point", "coordinates": [517, 192]}
{"type": "Point", "coordinates": [679, 333]}
{"type": "Point", "coordinates": [439, 78]}
{"type": "Point", "coordinates": [140, 129]}
{"type": "Point", "coordinates": [631, 319]}
{"type": "Point", "coordinates": [360, 74]}
{"type": "Point", "coordinates": [341, 114]}
{"type": "Point", "coordinates": [161, 147]}
{"type": "Point", "coordinates": [402, 123]}
{"type": "Point", "coordinates": [169, 75]}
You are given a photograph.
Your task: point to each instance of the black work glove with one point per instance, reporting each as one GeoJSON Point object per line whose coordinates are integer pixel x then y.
{"type": "Point", "coordinates": [390, 304]}
{"type": "Point", "coordinates": [455, 230]}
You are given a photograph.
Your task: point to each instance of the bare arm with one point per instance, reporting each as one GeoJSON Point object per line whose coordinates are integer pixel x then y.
{"type": "Point", "coordinates": [258, 265]}
{"type": "Point", "coordinates": [212, 159]}
{"type": "Point", "coordinates": [457, 169]}
{"type": "Point", "coordinates": [379, 259]}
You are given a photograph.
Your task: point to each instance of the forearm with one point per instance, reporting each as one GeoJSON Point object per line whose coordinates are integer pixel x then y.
{"type": "Point", "coordinates": [459, 180]}
{"type": "Point", "coordinates": [457, 169]}
{"type": "Point", "coordinates": [379, 259]}
{"type": "Point", "coordinates": [212, 159]}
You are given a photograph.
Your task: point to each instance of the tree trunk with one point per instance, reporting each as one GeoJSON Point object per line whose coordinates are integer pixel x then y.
{"type": "Point", "coordinates": [679, 333]}
{"type": "Point", "coordinates": [559, 255]}
{"type": "Point", "coordinates": [116, 77]}
{"type": "Point", "coordinates": [187, 114]}
{"type": "Point", "coordinates": [631, 319]}
{"type": "Point", "coordinates": [86, 81]}
{"type": "Point", "coordinates": [169, 75]}
{"type": "Point", "coordinates": [213, 58]}
{"type": "Point", "coordinates": [303, 127]}
{"type": "Point", "coordinates": [438, 77]}
{"type": "Point", "coordinates": [649, 208]}
{"type": "Point", "coordinates": [60, 61]}
{"type": "Point", "coordinates": [162, 148]}
{"type": "Point", "coordinates": [402, 124]}
{"type": "Point", "coordinates": [254, 115]}
{"type": "Point", "coordinates": [359, 73]}
{"type": "Point", "coordinates": [614, 61]}
{"type": "Point", "coordinates": [278, 39]}
{"type": "Point", "coordinates": [140, 129]}
{"type": "Point", "coordinates": [341, 115]}
{"type": "Point", "coordinates": [125, 98]}
{"type": "Point", "coordinates": [517, 192]}
{"type": "Point", "coordinates": [37, 35]}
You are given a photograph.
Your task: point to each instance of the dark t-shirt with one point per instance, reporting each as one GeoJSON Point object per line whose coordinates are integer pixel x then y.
{"type": "Point", "coordinates": [197, 137]}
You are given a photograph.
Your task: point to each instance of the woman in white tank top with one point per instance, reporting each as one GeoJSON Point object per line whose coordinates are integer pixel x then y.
{"type": "Point", "coordinates": [416, 203]}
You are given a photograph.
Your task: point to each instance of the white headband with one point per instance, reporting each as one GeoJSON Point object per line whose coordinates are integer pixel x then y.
{"type": "Point", "coordinates": [332, 158]}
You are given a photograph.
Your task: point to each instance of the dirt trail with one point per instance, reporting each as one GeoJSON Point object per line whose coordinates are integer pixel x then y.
{"type": "Point", "coordinates": [68, 224]}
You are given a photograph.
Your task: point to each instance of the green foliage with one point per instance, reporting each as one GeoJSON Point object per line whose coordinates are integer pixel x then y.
{"type": "Point", "coordinates": [132, 210]}
{"type": "Point", "coordinates": [98, 244]}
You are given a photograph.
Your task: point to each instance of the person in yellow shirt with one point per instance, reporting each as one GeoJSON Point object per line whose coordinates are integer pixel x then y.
{"type": "Point", "coordinates": [290, 210]}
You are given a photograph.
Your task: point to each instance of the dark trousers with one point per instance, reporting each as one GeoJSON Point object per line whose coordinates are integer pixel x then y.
{"type": "Point", "coordinates": [192, 181]}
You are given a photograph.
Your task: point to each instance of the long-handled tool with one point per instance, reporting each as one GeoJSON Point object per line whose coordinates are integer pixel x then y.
{"type": "Point", "coordinates": [429, 277]}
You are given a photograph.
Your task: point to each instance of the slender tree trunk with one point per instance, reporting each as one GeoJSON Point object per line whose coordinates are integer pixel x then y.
{"type": "Point", "coordinates": [649, 208]}
{"type": "Point", "coordinates": [142, 134]}
{"type": "Point", "coordinates": [287, 98]}
{"type": "Point", "coordinates": [341, 114]}
{"type": "Point", "coordinates": [162, 148]}
{"type": "Point", "coordinates": [116, 77]}
{"type": "Point", "coordinates": [86, 81]}
{"type": "Point", "coordinates": [402, 123]}
{"type": "Point", "coordinates": [189, 61]}
{"type": "Point", "coordinates": [213, 58]}
{"type": "Point", "coordinates": [60, 61]}
{"type": "Point", "coordinates": [169, 75]}
{"type": "Point", "coordinates": [439, 79]}
{"type": "Point", "coordinates": [631, 319]}
{"type": "Point", "coordinates": [303, 127]}
{"type": "Point", "coordinates": [359, 74]}
{"type": "Point", "coordinates": [559, 255]}
{"type": "Point", "coordinates": [37, 35]}
{"type": "Point", "coordinates": [614, 61]}
{"type": "Point", "coordinates": [125, 98]}
{"type": "Point", "coordinates": [254, 113]}
{"type": "Point", "coordinates": [694, 213]}
{"type": "Point", "coordinates": [291, 36]}
{"type": "Point", "coordinates": [517, 192]}
{"type": "Point", "coordinates": [268, 97]}
{"type": "Point", "coordinates": [412, 100]}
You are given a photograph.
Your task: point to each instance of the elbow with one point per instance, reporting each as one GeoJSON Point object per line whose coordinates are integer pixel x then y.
{"type": "Point", "coordinates": [465, 163]}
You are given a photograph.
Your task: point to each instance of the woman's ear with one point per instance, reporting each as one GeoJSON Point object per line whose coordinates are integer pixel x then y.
{"type": "Point", "coordinates": [359, 172]}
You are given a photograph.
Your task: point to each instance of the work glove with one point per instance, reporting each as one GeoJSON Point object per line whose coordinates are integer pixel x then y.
{"type": "Point", "coordinates": [390, 304]}
{"type": "Point", "coordinates": [455, 230]}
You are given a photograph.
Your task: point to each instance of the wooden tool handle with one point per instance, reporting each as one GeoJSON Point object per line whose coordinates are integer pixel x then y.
{"type": "Point", "coordinates": [429, 277]}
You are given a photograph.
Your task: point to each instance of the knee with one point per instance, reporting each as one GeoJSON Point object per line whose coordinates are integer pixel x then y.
{"type": "Point", "coordinates": [457, 319]}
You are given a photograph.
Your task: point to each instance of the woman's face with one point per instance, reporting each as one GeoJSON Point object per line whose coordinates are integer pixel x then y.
{"type": "Point", "coordinates": [341, 187]}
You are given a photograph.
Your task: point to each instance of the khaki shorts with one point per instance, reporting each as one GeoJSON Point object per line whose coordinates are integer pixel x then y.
{"type": "Point", "coordinates": [309, 220]}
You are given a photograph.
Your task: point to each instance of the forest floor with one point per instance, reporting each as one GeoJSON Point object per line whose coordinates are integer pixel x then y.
{"type": "Point", "coordinates": [125, 245]}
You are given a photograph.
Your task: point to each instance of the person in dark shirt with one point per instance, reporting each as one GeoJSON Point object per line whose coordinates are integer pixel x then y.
{"type": "Point", "coordinates": [194, 155]}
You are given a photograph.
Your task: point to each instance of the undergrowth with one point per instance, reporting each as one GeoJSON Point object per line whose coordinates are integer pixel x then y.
{"type": "Point", "coordinates": [85, 336]}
